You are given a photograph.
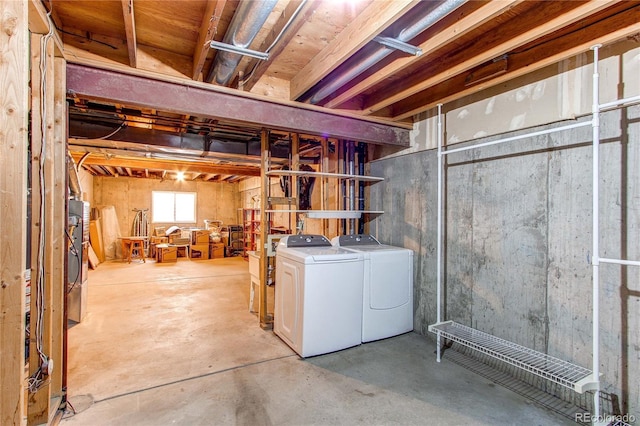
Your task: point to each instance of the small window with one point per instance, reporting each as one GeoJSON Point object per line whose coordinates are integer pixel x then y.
{"type": "Point", "coordinates": [173, 207]}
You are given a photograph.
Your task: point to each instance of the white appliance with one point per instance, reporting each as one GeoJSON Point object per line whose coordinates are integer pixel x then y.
{"type": "Point", "coordinates": [387, 286]}
{"type": "Point", "coordinates": [318, 295]}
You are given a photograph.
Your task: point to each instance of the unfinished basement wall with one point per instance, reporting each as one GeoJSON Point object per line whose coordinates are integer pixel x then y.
{"type": "Point", "coordinates": [518, 218]}
{"type": "Point", "coordinates": [86, 184]}
{"type": "Point", "coordinates": [214, 200]}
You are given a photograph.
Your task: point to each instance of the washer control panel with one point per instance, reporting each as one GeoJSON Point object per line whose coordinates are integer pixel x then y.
{"type": "Point", "coordinates": [357, 240]}
{"type": "Point", "coordinates": [303, 240]}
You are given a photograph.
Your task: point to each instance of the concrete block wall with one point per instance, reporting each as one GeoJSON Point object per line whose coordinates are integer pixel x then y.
{"type": "Point", "coordinates": [518, 237]}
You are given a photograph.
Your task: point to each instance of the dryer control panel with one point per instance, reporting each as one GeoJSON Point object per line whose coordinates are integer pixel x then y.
{"type": "Point", "coordinates": [303, 240]}
{"type": "Point", "coordinates": [357, 240]}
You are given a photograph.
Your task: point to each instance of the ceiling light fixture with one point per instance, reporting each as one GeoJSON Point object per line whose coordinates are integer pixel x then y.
{"type": "Point", "coordinates": [239, 50]}
{"type": "Point", "coordinates": [180, 176]}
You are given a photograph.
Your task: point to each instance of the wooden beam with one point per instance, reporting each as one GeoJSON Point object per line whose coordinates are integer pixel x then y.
{"type": "Point", "coordinates": [605, 31]}
{"type": "Point", "coordinates": [196, 99]}
{"type": "Point", "coordinates": [14, 86]}
{"type": "Point", "coordinates": [208, 29]}
{"type": "Point", "coordinates": [167, 165]}
{"type": "Point", "coordinates": [367, 25]}
{"type": "Point", "coordinates": [58, 223]}
{"type": "Point", "coordinates": [266, 321]}
{"type": "Point", "coordinates": [381, 100]}
{"type": "Point", "coordinates": [130, 29]}
{"type": "Point", "coordinates": [458, 28]}
{"type": "Point", "coordinates": [42, 213]}
{"type": "Point", "coordinates": [261, 66]}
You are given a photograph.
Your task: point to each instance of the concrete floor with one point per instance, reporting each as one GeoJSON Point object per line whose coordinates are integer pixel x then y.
{"type": "Point", "coordinates": [176, 344]}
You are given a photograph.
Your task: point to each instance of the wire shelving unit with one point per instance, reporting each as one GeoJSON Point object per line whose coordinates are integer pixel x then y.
{"type": "Point", "coordinates": [553, 369]}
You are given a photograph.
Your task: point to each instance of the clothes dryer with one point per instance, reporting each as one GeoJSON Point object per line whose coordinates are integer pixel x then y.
{"type": "Point", "coordinates": [387, 286]}
{"type": "Point", "coordinates": [318, 295]}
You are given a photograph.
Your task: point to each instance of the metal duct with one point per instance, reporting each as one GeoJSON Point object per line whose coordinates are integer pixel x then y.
{"type": "Point", "coordinates": [75, 189]}
{"type": "Point", "coordinates": [247, 21]}
{"type": "Point", "coordinates": [415, 27]}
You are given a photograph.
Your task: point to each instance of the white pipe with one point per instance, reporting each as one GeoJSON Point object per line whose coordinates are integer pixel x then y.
{"type": "Point", "coordinates": [515, 138]}
{"type": "Point", "coordinates": [595, 260]}
{"type": "Point", "coordinates": [620, 261]}
{"type": "Point", "coordinates": [439, 233]}
{"type": "Point", "coordinates": [617, 102]}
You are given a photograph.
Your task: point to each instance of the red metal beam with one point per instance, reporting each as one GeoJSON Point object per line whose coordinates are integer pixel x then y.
{"type": "Point", "coordinates": [196, 100]}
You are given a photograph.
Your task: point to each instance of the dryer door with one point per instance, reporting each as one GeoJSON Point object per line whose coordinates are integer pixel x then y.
{"type": "Point", "coordinates": [390, 280]}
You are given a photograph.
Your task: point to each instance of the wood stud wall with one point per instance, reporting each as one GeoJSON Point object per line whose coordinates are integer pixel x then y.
{"type": "Point", "coordinates": [18, 46]}
{"type": "Point", "coordinates": [14, 85]}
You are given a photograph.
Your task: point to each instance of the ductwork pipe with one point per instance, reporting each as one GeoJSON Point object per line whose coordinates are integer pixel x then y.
{"type": "Point", "coordinates": [249, 18]}
{"type": "Point", "coordinates": [75, 189]}
{"type": "Point", "coordinates": [415, 27]}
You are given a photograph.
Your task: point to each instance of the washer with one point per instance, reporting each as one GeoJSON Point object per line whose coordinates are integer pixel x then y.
{"type": "Point", "coordinates": [387, 286]}
{"type": "Point", "coordinates": [318, 296]}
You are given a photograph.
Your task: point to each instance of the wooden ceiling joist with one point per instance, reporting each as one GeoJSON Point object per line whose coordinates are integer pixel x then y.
{"type": "Point", "coordinates": [374, 20]}
{"type": "Point", "coordinates": [208, 29]}
{"type": "Point", "coordinates": [609, 30]}
{"type": "Point", "coordinates": [460, 26]}
{"type": "Point", "coordinates": [380, 100]}
{"type": "Point", "coordinates": [253, 75]}
{"type": "Point", "coordinates": [197, 99]}
{"type": "Point", "coordinates": [130, 29]}
{"type": "Point", "coordinates": [166, 165]}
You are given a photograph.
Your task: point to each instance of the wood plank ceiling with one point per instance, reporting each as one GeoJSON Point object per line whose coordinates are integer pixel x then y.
{"type": "Point", "coordinates": [327, 53]}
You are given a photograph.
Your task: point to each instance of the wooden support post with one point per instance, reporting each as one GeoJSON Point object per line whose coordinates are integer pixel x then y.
{"type": "Point", "coordinates": [44, 255]}
{"type": "Point", "coordinates": [14, 86]}
{"type": "Point", "coordinates": [59, 222]}
{"type": "Point", "coordinates": [266, 321]}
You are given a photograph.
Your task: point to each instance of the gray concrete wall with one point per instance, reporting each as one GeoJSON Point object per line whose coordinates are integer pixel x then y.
{"type": "Point", "coordinates": [518, 235]}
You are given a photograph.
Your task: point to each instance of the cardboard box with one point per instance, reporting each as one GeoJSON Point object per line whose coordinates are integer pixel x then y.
{"type": "Point", "coordinates": [166, 253]}
{"type": "Point", "coordinates": [159, 240]}
{"type": "Point", "coordinates": [178, 240]}
{"type": "Point", "coordinates": [199, 237]}
{"type": "Point", "coordinates": [216, 250]}
{"type": "Point", "coordinates": [199, 251]}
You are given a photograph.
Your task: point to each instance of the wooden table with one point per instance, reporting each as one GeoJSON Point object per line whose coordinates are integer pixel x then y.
{"type": "Point", "coordinates": [133, 248]}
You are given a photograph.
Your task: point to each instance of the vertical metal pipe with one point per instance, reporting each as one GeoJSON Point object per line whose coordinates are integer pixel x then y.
{"type": "Point", "coordinates": [439, 236]}
{"type": "Point", "coordinates": [595, 256]}
{"type": "Point", "coordinates": [362, 155]}
{"type": "Point", "coordinates": [343, 183]}
{"type": "Point", "coordinates": [352, 184]}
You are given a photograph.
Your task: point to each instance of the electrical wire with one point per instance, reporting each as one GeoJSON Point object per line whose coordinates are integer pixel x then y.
{"type": "Point", "coordinates": [37, 380]}
{"type": "Point", "coordinates": [74, 251]}
{"type": "Point", "coordinates": [123, 124]}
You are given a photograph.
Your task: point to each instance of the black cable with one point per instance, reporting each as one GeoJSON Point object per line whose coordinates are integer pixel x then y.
{"type": "Point", "coordinates": [74, 251]}
{"type": "Point", "coordinates": [87, 38]}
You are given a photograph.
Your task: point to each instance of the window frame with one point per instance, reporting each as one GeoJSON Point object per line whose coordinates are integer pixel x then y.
{"type": "Point", "coordinates": [174, 220]}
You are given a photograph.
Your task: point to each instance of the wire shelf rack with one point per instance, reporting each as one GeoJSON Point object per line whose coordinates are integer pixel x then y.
{"type": "Point", "coordinates": [556, 370]}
